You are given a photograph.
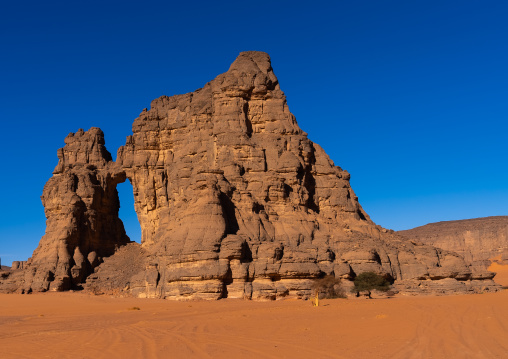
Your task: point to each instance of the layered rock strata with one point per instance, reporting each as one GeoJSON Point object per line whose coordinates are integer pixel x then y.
{"type": "Point", "coordinates": [478, 240]}
{"type": "Point", "coordinates": [233, 201]}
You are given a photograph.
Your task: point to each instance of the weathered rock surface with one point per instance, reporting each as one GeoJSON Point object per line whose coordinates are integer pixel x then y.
{"type": "Point", "coordinates": [233, 200]}
{"type": "Point", "coordinates": [81, 206]}
{"type": "Point", "coordinates": [116, 273]}
{"type": "Point", "coordinates": [478, 240]}
{"type": "Point", "coordinates": [18, 265]}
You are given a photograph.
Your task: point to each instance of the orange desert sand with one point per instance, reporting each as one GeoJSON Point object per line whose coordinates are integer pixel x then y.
{"type": "Point", "coordinates": [75, 325]}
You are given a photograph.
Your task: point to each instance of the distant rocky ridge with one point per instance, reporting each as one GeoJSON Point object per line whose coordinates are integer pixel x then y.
{"type": "Point", "coordinates": [478, 240]}
{"type": "Point", "coordinates": [18, 265]}
{"type": "Point", "coordinates": [233, 201]}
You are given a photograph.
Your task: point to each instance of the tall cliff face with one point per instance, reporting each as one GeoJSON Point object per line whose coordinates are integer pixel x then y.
{"type": "Point", "coordinates": [224, 179]}
{"type": "Point", "coordinates": [231, 145]}
{"type": "Point", "coordinates": [233, 200]}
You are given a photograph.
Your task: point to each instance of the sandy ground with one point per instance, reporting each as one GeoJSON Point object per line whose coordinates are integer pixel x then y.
{"type": "Point", "coordinates": [74, 325]}
{"type": "Point", "coordinates": [502, 274]}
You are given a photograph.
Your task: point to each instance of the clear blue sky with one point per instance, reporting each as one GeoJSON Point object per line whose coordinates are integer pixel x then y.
{"type": "Point", "coordinates": [409, 96]}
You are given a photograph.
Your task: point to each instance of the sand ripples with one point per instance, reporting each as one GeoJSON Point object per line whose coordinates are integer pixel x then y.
{"type": "Point", "coordinates": [77, 326]}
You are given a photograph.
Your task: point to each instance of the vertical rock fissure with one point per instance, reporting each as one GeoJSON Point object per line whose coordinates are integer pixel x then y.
{"type": "Point", "coordinates": [228, 208]}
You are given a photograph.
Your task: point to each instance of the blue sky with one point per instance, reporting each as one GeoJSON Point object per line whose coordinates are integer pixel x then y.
{"type": "Point", "coordinates": [409, 96]}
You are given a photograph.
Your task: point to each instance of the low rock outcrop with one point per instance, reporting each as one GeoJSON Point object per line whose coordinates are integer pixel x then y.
{"type": "Point", "coordinates": [18, 265]}
{"type": "Point", "coordinates": [233, 201]}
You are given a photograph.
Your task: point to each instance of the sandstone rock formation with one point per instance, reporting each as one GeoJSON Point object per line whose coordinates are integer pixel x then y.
{"type": "Point", "coordinates": [233, 200]}
{"type": "Point", "coordinates": [81, 205]}
{"type": "Point", "coordinates": [478, 240]}
{"type": "Point", "coordinates": [18, 265]}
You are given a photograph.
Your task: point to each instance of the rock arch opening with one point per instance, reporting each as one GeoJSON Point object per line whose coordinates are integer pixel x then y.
{"type": "Point", "coordinates": [127, 213]}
